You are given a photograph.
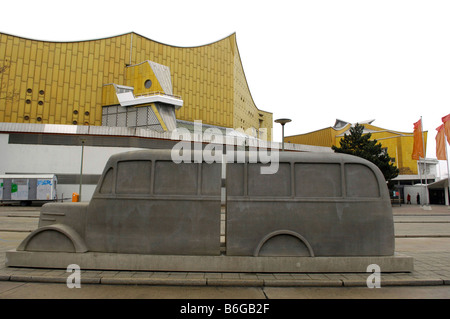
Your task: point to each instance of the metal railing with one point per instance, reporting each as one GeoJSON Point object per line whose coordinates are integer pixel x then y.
{"type": "Point", "coordinates": [158, 93]}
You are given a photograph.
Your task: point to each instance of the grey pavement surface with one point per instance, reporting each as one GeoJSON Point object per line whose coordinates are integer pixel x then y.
{"type": "Point", "coordinates": [422, 234]}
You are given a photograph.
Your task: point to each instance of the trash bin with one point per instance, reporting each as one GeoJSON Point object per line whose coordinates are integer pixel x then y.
{"type": "Point", "coordinates": [75, 197]}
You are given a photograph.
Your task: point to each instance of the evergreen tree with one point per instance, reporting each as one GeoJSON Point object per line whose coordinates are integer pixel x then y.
{"type": "Point", "coordinates": [359, 144]}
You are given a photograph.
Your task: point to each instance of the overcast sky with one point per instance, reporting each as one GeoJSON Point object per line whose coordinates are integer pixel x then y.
{"type": "Point", "coordinates": [311, 61]}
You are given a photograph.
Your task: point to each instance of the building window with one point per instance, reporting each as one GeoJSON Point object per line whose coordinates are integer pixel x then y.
{"type": "Point", "coordinates": [148, 84]}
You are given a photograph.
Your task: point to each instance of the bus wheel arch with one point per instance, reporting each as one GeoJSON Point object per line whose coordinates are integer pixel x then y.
{"type": "Point", "coordinates": [294, 244]}
{"type": "Point", "coordinates": [56, 237]}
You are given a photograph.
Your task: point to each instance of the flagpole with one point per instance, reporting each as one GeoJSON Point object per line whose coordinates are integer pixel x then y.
{"type": "Point", "coordinates": [424, 164]}
{"type": "Point", "coordinates": [448, 174]}
{"type": "Point", "coordinates": [420, 168]}
{"type": "Point", "coordinates": [446, 138]}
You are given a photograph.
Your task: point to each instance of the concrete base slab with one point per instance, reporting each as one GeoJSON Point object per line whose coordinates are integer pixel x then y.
{"type": "Point", "coordinates": [136, 262]}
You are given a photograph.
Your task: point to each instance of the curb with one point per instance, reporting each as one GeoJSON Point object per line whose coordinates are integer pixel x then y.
{"type": "Point", "coordinates": [222, 282]}
{"type": "Point", "coordinates": [399, 282]}
{"type": "Point", "coordinates": [303, 283]}
{"type": "Point", "coordinates": [52, 279]}
{"type": "Point", "coordinates": [152, 281]}
{"type": "Point", "coordinates": [235, 282]}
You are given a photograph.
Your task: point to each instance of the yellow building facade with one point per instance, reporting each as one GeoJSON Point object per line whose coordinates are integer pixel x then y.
{"type": "Point", "coordinates": [398, 145]}
{"type": "Point", "coordinates": [66, 82]}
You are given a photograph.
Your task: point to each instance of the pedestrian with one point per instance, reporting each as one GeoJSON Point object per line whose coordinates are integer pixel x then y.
{"type": "Point", "coordinates": [408, 199]}
{"type": "Point", "coordinates": [418, 199]}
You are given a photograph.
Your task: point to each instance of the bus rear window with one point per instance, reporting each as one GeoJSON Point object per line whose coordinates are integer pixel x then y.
{"type": "Point", "coordinates": [361, 181]}
{"type": "Point", "coordinates": [318, 180]}
{"type": "Point", "coordinates": [133, 177]}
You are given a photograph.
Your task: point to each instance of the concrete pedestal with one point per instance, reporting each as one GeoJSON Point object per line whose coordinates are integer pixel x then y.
{"type": "Point", "coordinates": [136, 262]}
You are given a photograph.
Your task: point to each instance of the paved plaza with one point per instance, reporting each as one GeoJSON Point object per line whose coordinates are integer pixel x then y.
{"type": "Point", "coordinates": [421, 234]}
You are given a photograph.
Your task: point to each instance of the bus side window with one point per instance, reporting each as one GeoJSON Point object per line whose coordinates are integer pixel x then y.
{"type": "Point", "coordinates": [318, 180]}
{"type": "Point", "coordinates": [133, 177]}
{"type": "Point", "coordinates": [176, 179]}
{"type": "Point", "coordinates": [107, 183]}
{"type": "Point", "coordinates": [361, 181]}
{"type": "Point", "coordinates": [235, 179]}
{"type": "Point", "coordinates": [278, 184]}
{"type": "Point", "coordinates": [211, 178]}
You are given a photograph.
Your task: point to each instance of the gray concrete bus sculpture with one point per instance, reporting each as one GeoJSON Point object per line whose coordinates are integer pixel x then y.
{"type": "Point", "coordinates": [314, 205]}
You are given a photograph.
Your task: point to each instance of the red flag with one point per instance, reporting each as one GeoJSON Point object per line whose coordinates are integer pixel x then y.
{"type": "Point", "coordinates": [446, 121]}
{"type": "Point", "coordinates": [441, 153]}
{"type": "Point", "coordinates": [418, 141]}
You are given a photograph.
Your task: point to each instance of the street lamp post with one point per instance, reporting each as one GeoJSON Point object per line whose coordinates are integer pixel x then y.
{"type": "Point", "coordinates": [81, 167]}
{"type": "Point", "coordinates": [282, 122]}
